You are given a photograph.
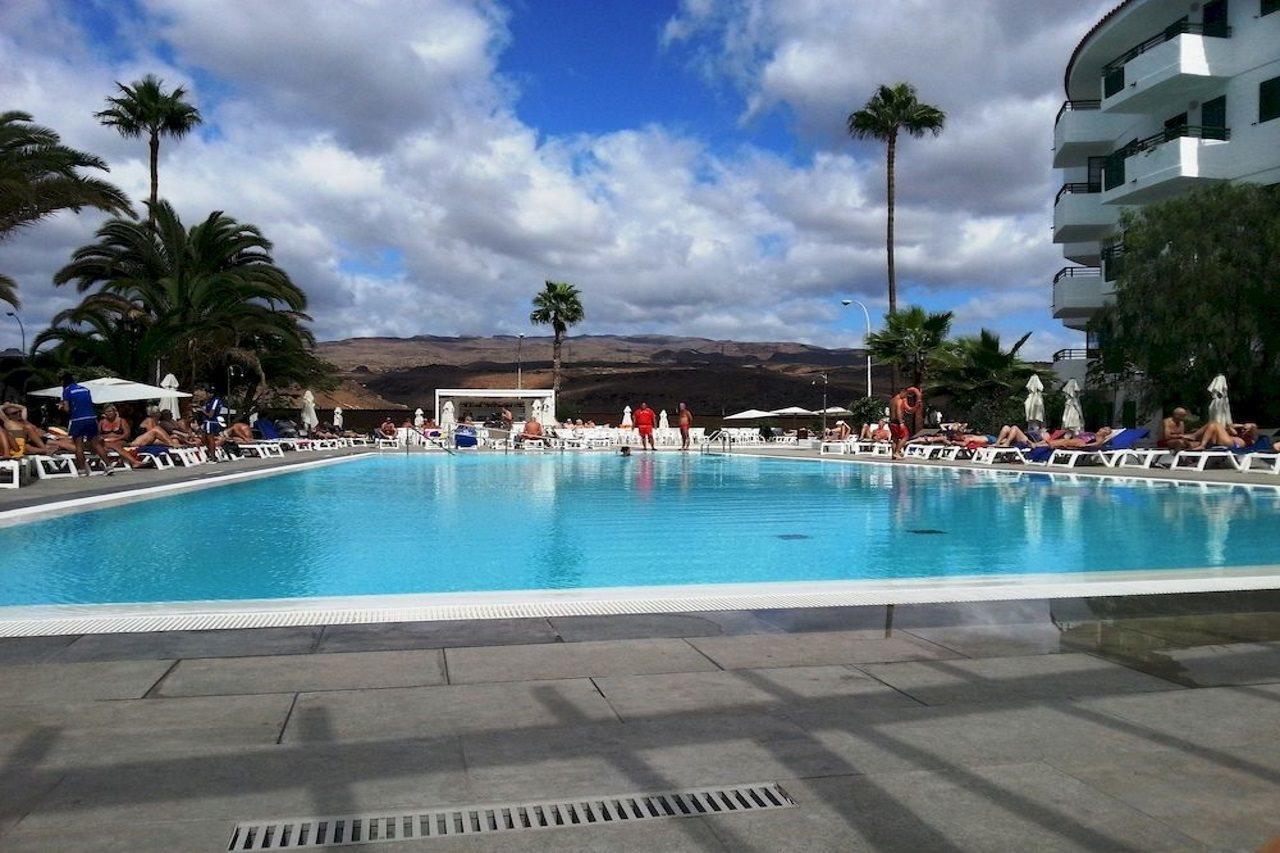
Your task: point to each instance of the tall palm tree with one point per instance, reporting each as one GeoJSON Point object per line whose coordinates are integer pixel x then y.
{"type": "Point", "coordinates": [558, 305]}
{"type": "Point", "coordinates": [145, 108]}
{"type": "Point", "coordinates": [40, 176]}
{"type": "Point", "coordinates": [205, 295]}
{"type": "Point", "coordinates": [890, 111]}
{"type": "Point", "coordinates": [914, 342]}
{"type": "Point", "coordinates": [976, 370]}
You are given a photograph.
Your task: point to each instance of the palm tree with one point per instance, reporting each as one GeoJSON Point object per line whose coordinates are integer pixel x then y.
{"type": "Point", "coordinates": [912, 341]}
{"type": "Point", "coordinates": [40, 176]}
{"type": "Point", "coordinates": [558, 305]}
{"type": "Point", "coordinates": [145, 108]}
{"type": "Point", "coordinates": [200, 297]}
{"type": "Point", "coordinates": [890, 111]}
{"type": "Point", "coordinates": [976, 371]}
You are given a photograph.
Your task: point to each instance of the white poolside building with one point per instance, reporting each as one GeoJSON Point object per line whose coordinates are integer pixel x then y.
{"type": "Point", "coordinates": [1162, 96]}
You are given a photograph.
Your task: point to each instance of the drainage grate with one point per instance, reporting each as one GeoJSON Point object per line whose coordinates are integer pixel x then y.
{"type": "Point", "coordinates": [310, 832]}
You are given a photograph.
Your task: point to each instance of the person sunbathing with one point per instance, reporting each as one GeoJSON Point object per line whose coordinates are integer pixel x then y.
{"type": "Point", "coordinates": [1079, 440]}
{"type": "Point", "coordinates": [1173, 431]}
{"type": "Point", "coordinates": [113, 428]}
{"type": "Point", "coordinates": [387, 429]}
{"type": "Point", "coordinates": [1013, 436]}
{"type": "Point", "coordinates": [1232, 436]}
{"type": "Point", "coordinates": [532, 431]}
{"type": "Point", "coordinates": [19, 434]}
{"type": "Point", "coordinates": [876, 432]}
{"type": "Point", "coordinates": [240, 432]}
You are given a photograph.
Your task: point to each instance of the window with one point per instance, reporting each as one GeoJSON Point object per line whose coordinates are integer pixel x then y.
{"type": "Point", "coordinates": [1269, 99]}
{"type": "Point", "coordinates": [1268, 6]}
{"type": "Point", "coordinates": [1213, 114]}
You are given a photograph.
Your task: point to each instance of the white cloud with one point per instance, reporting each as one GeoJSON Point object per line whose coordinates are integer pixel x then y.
{"type": "Point", "coordinates": [378, 146]}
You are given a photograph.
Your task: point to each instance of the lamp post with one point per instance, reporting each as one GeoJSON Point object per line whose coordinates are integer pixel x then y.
{"type": "Point", "coordinates": [520, 362]}
{"type": "Point", "coordinates": [21, 329]}
{"type": "Point", "coordinates": [823, 377]}
{"type": "Point", "coordinates": [866, 314]}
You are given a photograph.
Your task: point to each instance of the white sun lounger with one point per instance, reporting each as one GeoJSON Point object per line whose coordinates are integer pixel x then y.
{"type": "Point", "coordinates": [1270, 461]}
{"type": "Point", "coordinates": [1198, 460]}
{"type": "Point", "coordinates": [873, 448]}
{"type": "Point", "coordinates": [10, 473]}
{"type": "Point", "coordinates": [54, 467]}
{"type": "Point", "coordinates": [1135, 457]}
{"type": "Point", "coordinates": [835, 448]}
{"type": "Point", "coordinates": [263, 450]}
{"type": "Point", "coordinates": [993, 455]}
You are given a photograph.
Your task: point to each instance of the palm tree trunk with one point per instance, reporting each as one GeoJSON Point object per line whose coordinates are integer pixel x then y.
{"type": "Point", "coordinates": [893, 284]}
{"type": "Point", "coordinates": [155, 176]}
{"type": "Point", "coordinates": [555, 361]}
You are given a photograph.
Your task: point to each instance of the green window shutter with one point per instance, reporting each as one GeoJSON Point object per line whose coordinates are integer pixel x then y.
{"type": "Point", "coordinates": [1269, 99]}
{"type": "Point", "coordinates": [1269, 6]}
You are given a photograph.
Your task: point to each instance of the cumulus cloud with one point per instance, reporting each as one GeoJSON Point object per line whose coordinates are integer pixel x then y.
{"type": "Point", "coordinates": [378, 145]}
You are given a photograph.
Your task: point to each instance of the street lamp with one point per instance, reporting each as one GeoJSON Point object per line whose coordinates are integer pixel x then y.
{"type": "Point", "coordinates": [519, 362]}
{"type": "Point", "coordinates": [867, 314]}
{"type": "Point", "coordinates": [823, 377]}
{"type": "Point", "coordinates": [21, 328]}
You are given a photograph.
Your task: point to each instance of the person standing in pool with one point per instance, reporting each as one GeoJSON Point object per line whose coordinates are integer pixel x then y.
{"type": "Point", "coordinates": [685, 422]}
{"type": "Point", "coordinates": [645, 419]}
{"type": "Point", "coordinates": [82, 426]}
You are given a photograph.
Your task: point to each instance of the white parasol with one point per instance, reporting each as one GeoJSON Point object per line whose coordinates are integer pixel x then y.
{"type": "Point", "coordinates": [111, 390]}
{"type": "Point", "coordinates": [1219, 404]}
{"type": "Point", "coordinates": [549, 411]}
{"type": "Point", "coordinates": [418, 419]}
{"type": "Point", "coordinates": [663, 423]}
{"type": "Point", "coordinates": [309, 418]}
{"type": "Point", "coordinates": [535, 411]}
{"type": "Point", "coordinates": [169, 383]}
{"type": "Point", "coordinates": [748, 415]}
{"type": "Point", "coordinates": [626, 418]}
{"type": "Point", "coordinates": [1034, 406]}
{"type": "Point", "coordinates": [1072, 416]}
{"type": "Point", "coordinates": [337, 418]}
{"type": "Point", "coordinates": [447, 419]}
{"type": "Point", "coordinates": [792, 412]}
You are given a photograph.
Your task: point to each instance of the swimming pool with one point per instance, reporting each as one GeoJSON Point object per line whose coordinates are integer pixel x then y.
{"type": "Point", "coordinates": [436, 524]}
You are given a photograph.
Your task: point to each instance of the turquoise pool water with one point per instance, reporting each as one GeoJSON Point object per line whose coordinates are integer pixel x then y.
{"type": "Point", "coordinates": [397, 524]}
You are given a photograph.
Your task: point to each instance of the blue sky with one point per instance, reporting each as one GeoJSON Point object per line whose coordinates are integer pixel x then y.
{"type": "Point", "coordinates": [423, 164]}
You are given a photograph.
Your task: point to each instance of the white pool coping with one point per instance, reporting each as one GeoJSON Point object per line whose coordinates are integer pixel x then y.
{"type": "Point", "coordinates": [44, 620]}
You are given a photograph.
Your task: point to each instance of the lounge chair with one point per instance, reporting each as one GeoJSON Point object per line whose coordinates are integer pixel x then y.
{"type": "Point", "coordinates": [836, 448]}
{"type": "Point", "coordinates": [1102, 454]}
{"type": "Point", "coordinates": [1198, 460]}
{"type": "Point", "coordinates": [991, 455]}
{"type": "Point", "coordinates": [10, 473]}
{"type": "Point", "coordinates": [53, 467]}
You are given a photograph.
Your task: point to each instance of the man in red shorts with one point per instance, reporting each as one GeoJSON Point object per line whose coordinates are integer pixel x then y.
{"type": "Point", "coordinates": [645, 419]}
{"type": "Point", "coordinates": [905, 402]}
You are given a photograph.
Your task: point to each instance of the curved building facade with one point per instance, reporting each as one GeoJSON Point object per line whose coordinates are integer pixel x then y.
{"type": "Point", "coordinates": [1162, 96]}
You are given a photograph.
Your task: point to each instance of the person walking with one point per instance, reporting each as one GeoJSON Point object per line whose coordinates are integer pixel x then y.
{"type": "Point", "coordinates": [82, 424]}
{"type": "Point", "coordinates": [684, 420]}
{"type": "Point", "coordinates": [645, 419]}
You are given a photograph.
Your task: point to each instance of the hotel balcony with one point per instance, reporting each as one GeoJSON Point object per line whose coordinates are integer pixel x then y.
{"type": "Point", "coordinates": [1184, 62]}
{"type": "Point", "coordinates": [1080, 215]}
{"type": "Point", "coordinates": [1078, 292]}
{"type": "Point", "coordinates": [1166, 164]}
{"type": "Point", "coordinates": [1082, 131]}
{"type": "Point", "coordinates": [1087, 253]}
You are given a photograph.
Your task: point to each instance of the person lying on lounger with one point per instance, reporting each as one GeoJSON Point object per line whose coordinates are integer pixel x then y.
{"type": "Point", "coordinates": [876, 432]}
{"type": "Point", "coordinates": [1073, 440]}
{"type": "Point", "coordinates": [1233, 436]}
{"type": "Point", "coordinates": [388, 429]}
{"type": "Point", "coordinates": [1014, 436]}
{"type": "Point", "coordinates": [532, 431]}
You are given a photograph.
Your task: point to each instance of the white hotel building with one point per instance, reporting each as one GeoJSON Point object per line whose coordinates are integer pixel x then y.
{"type": "Point", "coordinates": [1162, 96]}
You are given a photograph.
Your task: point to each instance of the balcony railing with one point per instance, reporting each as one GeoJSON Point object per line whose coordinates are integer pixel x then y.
{"type": "Point", "coordinates": [1113, 71]}
{"type": "Point", "coordinates": [1075, 354]}
{"type": "Point", "coordinates": [1077, 188]}
{"type": "Point", "coordinates": [1077, 272]}
{"type": "Point", "coordinates": [1075, 106]}
{"type": "Point", "coordinates": [1112, 260]}
{"type": "Point", "coordinates": [1113, 168]}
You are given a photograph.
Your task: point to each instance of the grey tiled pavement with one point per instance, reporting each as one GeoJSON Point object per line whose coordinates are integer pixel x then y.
{"type": "Point", "coordinates": [969, 727]}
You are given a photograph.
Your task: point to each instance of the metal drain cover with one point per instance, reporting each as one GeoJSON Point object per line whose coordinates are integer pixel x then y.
{"type": "Point", "coordinates": [375, 828]}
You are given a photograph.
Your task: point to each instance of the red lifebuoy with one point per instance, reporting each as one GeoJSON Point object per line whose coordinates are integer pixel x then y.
{"type": "Point", "coordinates": [912, 408]}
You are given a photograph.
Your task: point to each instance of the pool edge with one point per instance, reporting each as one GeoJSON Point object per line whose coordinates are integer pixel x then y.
{"type": "Point", "coordinates": [47, 620]}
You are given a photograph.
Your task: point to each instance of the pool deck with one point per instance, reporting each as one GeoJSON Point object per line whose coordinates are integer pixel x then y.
{"type": "Point", "coordinates": [1139, 723]}
{"type": "Point", "coordinates": [1091, 724]}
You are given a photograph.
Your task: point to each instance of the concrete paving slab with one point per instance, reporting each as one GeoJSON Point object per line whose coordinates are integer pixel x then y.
{"type": "Point", "coordinates": [744, 691]}
{"type": "Point", "coordinates": [24, 684]}
{"type": "Point", "coordinates": [1213, 665]}
{"type": "Point", "coordinates": [649, 625]}
{"type": "Point", "coordinates": [1008, 807]}
{"type": "Point", "coordinates": [261, 782]}
{"type": "Point", "coordinates": [995, 640]}
{"type": "Point", "coordinates": [1005, 679]}
{"type": "Point", "coordinates": [123, 837]}
{"type": "Point", "coordinates": [192, 644]}
{"type": "Point", "coordinates": [802, 619]}
{"type": "Point", "coordinates": [816, 649]}
{"type": "Point", "coordinates": [435, 635]}
{"type": "Point", "coordinates": [1226, 799]}
{"type": "Point", "coordinates": [1210, 716]}
{"type": "Point", "coordinates": [572, 660]}
{"type": "Point", "coordinates": [31, 649]}
{"type": "Point", "coordinates": [302, 673]}
{"type": "Point", "coordinates": [434, 711]}
{"type": "Point", "coordinates": [72, 733]}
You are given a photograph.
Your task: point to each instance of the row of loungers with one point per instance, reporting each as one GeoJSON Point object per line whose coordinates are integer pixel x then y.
{"type": "Point", "coordinates": [58, 466]}
{"type": "Point", "coordinates": [1125, 448]}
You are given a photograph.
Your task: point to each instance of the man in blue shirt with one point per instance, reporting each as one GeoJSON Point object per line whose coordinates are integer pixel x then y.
{"type": "Point", "coordinates": [77, 402]}
{"type": "Point", "coordinates": [211, 414]}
